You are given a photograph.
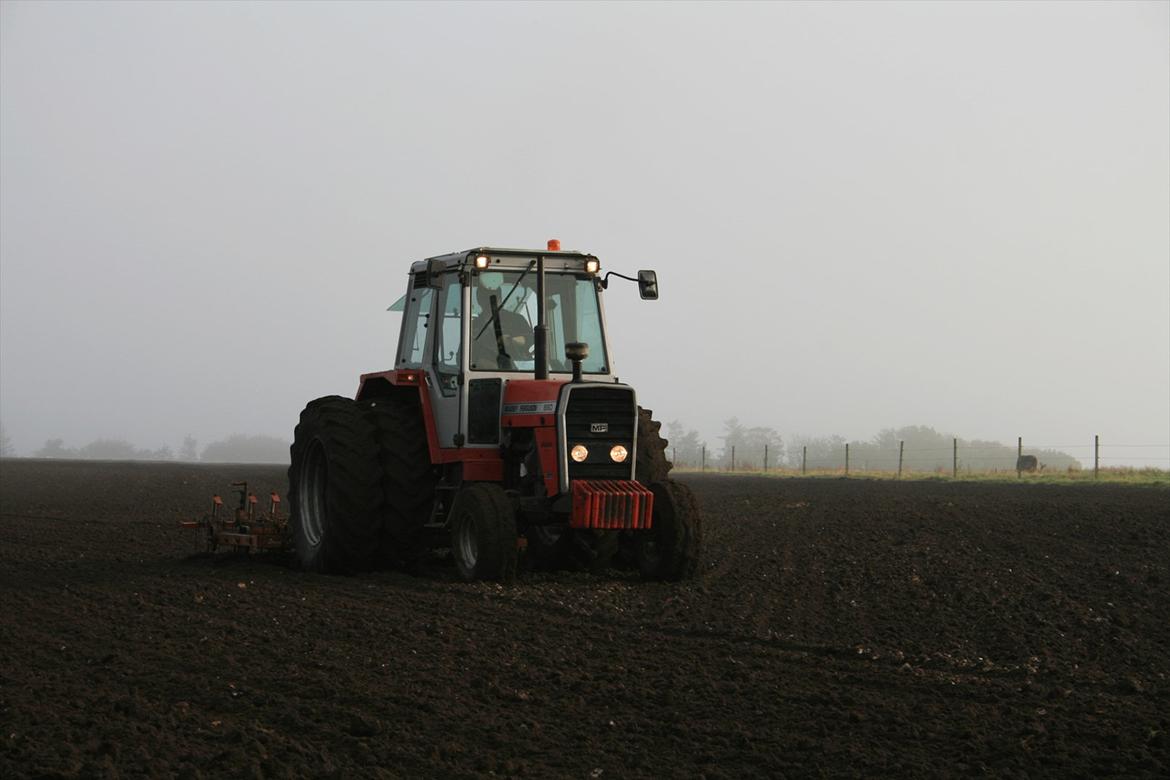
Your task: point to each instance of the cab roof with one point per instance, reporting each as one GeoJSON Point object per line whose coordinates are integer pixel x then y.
{"type": "Point", "coordinates": [507, 258]}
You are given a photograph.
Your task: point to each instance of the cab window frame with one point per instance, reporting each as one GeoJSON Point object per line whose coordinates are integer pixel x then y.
{"type": "Point", "coordinates": [420, 296]}
{"type": "Point", "coordinates": [447, 371]}
{"type": "Point", "coordinates": [599, 353]}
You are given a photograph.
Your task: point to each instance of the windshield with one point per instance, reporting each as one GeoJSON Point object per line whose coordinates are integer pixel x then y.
{"type": "Point", "coordinates": [503, 314]}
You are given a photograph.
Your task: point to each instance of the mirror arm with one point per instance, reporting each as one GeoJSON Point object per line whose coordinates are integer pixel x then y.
{"type": "Point", "coordinates": [605, 279]}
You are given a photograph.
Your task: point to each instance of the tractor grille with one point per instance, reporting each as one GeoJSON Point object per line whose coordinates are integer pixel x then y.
{"type": "Point", "coordinates": [589, 408]}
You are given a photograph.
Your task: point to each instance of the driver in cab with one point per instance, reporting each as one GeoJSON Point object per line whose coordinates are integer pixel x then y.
{"type": "Point", "coordinates": [499, 335]}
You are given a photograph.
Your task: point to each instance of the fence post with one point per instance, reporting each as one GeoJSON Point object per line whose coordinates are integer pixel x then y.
{"type": "Point", "coordinates": [804, 460]}
{"type": "Point", "coordinates": [704, 457]}
{"type": "Point", "coordinates": [1096, 454]}
{"type": "Point", "coordinates": [1019, 454]}
{"type": "Point", "coordinates": [765, 458]}
{"type": "Point", "coordinates": [954, 458]}
{"type": "Point", "coordinates": [846, 458]}
{"type": "Point", "coordinates": [673, 455]}
{"type": "Point", "coordinates": [901, 444]}
{"type": "Point", "coordinates": [733, 457]}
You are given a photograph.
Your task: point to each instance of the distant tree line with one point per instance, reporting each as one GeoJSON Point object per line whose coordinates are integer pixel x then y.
{"type": "Point", "coordinates": [6, 448]}
{"type": "Point", "coordinates": [686, 449]}
{"type": "Point", "coordinates": [238, 448]}
{"type": "Point", "coordinates": [925, 449]}
{"type": "Point", "coordinates": [103, 449]}
{"type": "Point", "coordinates": [749, 446]}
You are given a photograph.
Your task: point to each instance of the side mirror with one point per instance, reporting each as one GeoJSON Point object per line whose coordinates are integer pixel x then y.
{"type": "Point", "coordinates": [648, 285]}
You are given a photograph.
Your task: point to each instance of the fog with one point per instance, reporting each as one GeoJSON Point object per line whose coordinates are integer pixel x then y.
{"type": "Point", "coordinates": [863, 216]}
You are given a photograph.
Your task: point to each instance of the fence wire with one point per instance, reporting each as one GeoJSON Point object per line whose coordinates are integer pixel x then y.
{"type": "Point", "coordinates": [957, 458]}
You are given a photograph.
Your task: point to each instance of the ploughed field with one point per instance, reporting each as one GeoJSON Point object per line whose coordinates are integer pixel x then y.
{"type": "Point", "coordinates": [840, 627]}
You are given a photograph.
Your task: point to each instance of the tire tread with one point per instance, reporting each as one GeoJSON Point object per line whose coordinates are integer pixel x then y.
{"type": "Point", "coordinates": [352, 492]}
{"type": "Point", "coordinates": [406, 475]}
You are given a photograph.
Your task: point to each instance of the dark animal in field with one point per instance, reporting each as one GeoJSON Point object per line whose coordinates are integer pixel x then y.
{"type": "Point", "coordinates": [1026, 463]}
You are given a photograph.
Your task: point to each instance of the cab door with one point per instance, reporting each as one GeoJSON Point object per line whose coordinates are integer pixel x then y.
{"type": "Point", "coordinates": [447, 363]}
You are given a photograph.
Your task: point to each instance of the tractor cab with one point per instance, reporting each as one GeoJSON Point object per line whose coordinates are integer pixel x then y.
{"type": "Point", "coordinates": [477, 322]}
{"type": "Point", "coordinates": [489, 302]}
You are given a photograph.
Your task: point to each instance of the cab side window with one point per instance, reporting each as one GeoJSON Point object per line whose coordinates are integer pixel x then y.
{"type": "Point", "coordinates": [415, 323]}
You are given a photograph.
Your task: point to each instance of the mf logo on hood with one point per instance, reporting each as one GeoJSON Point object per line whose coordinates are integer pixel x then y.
{"type": "Point", "coordinates": [599, 427]}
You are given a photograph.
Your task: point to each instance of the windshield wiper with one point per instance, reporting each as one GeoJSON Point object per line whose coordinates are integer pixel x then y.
{"type": "Point", "coordinates": [506, 297]}
{"type": "Point", "coordinates": [503, 359]}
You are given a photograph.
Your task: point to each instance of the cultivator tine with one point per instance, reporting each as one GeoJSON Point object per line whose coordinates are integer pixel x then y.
{"type": "Point", "coordinates": [242, 493]}
{"type": "Point", "coordinates": [248, 529]}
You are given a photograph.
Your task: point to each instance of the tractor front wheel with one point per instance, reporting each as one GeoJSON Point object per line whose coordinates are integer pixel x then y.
{"type": "Point", "coordinates": [583, 549]}
{"type": "Point", "coordinates": [652, 464]}
{"type": "Point", "coordinates": [483, 533]}
{"type": "Point", "coordinates": [670, 549]}
{"type": "Point", "coordinates": [334, 487]}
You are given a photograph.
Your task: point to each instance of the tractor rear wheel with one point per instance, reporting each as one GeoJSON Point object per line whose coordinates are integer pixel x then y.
{"type": "Point", "coordinates": [408, 481]}
{"type": "Point", "coordinates": [670, 549]}
{"type": "Point", "coordinates": [483, 533]}
{"type": "Point", "coordinates": [651, 464]}
{"type": "Point", "coordinates": [334, 487]}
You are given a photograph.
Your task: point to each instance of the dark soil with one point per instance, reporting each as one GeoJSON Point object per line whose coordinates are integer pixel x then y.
{"type": "Point", "coordinates": [838, 627]}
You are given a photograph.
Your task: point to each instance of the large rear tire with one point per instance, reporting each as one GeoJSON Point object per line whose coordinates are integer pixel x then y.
{"type": "Point", "coordinates": [670, 550]}
{"type": "Point", "coordinates": [483, 533]}
{"type": "Point", "coordinates": [334, 487]}
{"type": "Point", "coordinates": [407, 478]}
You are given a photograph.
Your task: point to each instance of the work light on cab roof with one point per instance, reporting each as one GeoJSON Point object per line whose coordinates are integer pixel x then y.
{"type": "Point", "coordinates": [501, 433]}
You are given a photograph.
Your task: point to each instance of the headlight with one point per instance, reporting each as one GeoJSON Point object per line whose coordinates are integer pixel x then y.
{"type": "Point", "coordinates": [618, 454]}
{"type": "Point", "coordinates": [579, 453]}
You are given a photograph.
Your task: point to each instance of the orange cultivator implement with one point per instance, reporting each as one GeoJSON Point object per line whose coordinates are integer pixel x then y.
{"type": "Point", "coordinates": [248, 529]}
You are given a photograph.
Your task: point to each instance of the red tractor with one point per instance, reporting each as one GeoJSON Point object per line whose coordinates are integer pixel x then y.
{"type": "Point", "coordinates": [501, 433]}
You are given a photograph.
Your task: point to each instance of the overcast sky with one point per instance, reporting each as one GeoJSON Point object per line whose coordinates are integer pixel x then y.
{"type": "Point", "coordinates": [862, 215]}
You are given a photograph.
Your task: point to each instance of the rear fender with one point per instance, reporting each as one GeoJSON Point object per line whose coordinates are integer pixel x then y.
{"type": "Point", "coordinates": [479, 465]}
{"type": "Point", "coordinates": [382, 384]}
